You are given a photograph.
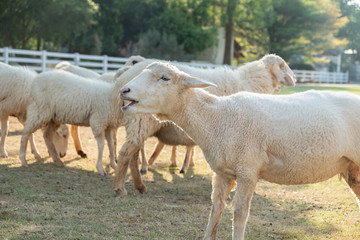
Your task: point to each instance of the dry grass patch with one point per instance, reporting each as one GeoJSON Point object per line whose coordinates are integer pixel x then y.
{"type": "Point", "coordinates": [44, 201]}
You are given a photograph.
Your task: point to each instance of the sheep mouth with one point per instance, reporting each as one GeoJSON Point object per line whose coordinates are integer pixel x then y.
{"type": "Point", "coordinates": [128, 103]}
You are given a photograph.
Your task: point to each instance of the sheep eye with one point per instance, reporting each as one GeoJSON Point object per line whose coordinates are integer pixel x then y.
{"type": "Point", "coordinates": [134, 62]}
{"type": "Point", "coordinates": [165, 78]}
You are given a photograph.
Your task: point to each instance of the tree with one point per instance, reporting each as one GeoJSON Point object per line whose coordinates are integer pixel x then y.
{"type": "Point", "coordinates": [306, 26]}
{"type": "Point", "coordinates": [190, 22]}
{"type": "Point", "coordinates": [26, 22]}
{"type": "Point", "coordinates": [351, 31]}
{"type": "Point", "coordinates": [229, 28]}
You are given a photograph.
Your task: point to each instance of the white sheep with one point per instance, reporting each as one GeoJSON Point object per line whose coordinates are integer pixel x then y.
{"type": "Point", "coordinates": [15, 84]}
{"type": "Point", "coordinates": [289, 139]}
{"type": "Point", "coordinates": [62, 97]}
{"type": "Point", "coordinates": [107, 77]}
{"type": "Point", "coordinates": [87, 73]}
{"type": "Point", "coordinates": [171, 135]}
{"type": "Point", "coordinates": [263, 76]}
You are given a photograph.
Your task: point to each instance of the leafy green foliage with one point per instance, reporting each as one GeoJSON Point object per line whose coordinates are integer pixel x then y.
{"type": "Point", "coordinates": [162, 46]}
{"type": "Point", "coordinates": [285, 27]}
{"type": "Point", "coordinates": [48, 21]}
{"type": "Point", "coordinates": [351, 31]}
{"type": "Point", "coordinates": [307, 26]}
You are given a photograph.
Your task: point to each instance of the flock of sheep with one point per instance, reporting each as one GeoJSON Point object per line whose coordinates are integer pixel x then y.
{"type": "Point", "coordinates": [245, 135]}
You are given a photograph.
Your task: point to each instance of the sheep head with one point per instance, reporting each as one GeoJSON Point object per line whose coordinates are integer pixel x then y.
{"type": "Point", "coordinates": [60, 139]}
{"type": "Point", "coordinates": [156, 86]}
{"type": "Point", "coordinates": [134, 60]}
{"type": "Point", "coordinates": [280, 71]}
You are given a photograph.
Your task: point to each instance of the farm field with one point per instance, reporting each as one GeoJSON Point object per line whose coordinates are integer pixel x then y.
{"type": "Point", "coordinates": [44, 201]}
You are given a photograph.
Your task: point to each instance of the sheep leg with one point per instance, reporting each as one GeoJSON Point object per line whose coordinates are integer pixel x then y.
{"type": "Point", "coordinates": [187, 159]}
{"type": "Point", "coordinates": [352, 177]}
{"type": "Point", "coordinates": [159, 146]}
{"type": "Point", "coordinates": [32, 142]}
{"type": "Point", "coordinates": [144, 164]}
{"type": "Point", "coordinates": [48, 136]}
{"type": "Point", "coordinates": [221, 191]}
{"type": "Point", "coordinates": [114, 137]}
{"type": "Point", "coordinates": [33, 147]}
{"type": "Point", "coordinates": [109, 138]}
{"type": "Point", "coordinates": [77, 141]}
{"type": "Point", "coordinates": [23, 145]}
{"type": "Point", "coordinates": [126, 153]}
{"type": "Point", "coordinates": [173, 157]}
{"type": "Point", "coordinates": [245, 189]}
{"type": "Point", "coordinates": [135, 173]}
{"type": "Point", "coordinates": [100, 139]}
{"type": "Point", "coordinates": [4, 132]}
{"type": "Point", "coordinates": [32, 124]}
{"type": "Point", "coordinates": [192, 163]}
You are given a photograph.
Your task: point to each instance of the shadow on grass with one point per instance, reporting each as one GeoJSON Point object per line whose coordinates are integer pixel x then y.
{"type": "Point", "coordinates": [44, 201]}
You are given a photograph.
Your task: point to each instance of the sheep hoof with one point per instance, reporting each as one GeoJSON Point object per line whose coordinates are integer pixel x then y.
{"type": "Point", "coordinates": [82, 154]}
{"type": "Point", "coordinates": [141, 188]}
{"type": "Point", "coordinates": [60, 164]}
{"type": "Point", "coordinates": [37, 156]}
{"type": "Point", "coordinates": [121, 192]}
{"type": "Point", "coordinates": [143, 171]}
{"type": "Point", "coordinates": [4, 155]}
{"type": "Point", "coordinates": [182, 171]}
{"type": "Point", "coordinates": [102, 173]}
{"type": "Point", "coordinates": [113, 166]}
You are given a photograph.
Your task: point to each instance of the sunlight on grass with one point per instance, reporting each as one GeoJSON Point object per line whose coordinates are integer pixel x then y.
{"type": "Point", "coordinates": [301, 88]}
{"type": "Point", "coordinates": [44, 201]}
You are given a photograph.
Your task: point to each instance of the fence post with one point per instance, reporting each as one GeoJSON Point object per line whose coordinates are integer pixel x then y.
{"type": "Point", "coordinates": [105, 63]}
{"type": "Point", "coordinates": [6, 55]}
{"type": "Point", "coordinates": [43, 60]}
{"type": "Point", "coordinates": [77, 59]}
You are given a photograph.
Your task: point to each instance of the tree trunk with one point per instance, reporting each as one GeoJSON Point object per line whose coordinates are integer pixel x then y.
{"type": "Point", "coordinates": [228, 41]}
{"type": "Point", "coordinates": [38, 43]}
{"type": "Point", "coordinates": [230, 9]}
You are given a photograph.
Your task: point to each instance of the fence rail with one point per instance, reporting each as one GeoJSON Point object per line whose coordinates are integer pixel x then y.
{"type": "Point", "coordinates": [44, 60]}
{"type": "Point", "coordinates": [306, 76]}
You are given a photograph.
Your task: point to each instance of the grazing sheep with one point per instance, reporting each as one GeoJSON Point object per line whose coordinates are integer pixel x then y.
{"type": "Point", "coordinates": [263, 76]}
{"type": "Point", "coordinates": [86, 73]}
{"type": "Point", "coordinates": [290, 139]}
{"type": "Point", "coordinates": [62, 97]}
{"type": "Point", "coordinates": [15, 84]}
{"type": "Point", "coordinates": [106, 77]}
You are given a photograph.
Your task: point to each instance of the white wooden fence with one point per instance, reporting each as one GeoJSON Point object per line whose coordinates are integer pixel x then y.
{"type": "Point", "coordinates": [306, 76]}
{"type": "Point", "coordinates": [44, 60]}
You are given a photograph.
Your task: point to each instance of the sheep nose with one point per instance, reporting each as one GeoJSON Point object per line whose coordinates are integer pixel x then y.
{"type": "Point", "coordinates": [124, 90]}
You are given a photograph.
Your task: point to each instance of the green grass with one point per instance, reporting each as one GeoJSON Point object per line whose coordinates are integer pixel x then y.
{"type": "Point", "coordinates": [44, 201]}
{"type": "Point", "coordinates": [302, 88]}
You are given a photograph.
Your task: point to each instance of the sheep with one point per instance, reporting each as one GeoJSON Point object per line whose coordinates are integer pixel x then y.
{"type": "Point", "coordinates": [77, 101]}
{"type": "Point", "coordinates": [15, 84]}
{"type": "Point", "coordinates": [64, 65]}
{"type": "Point", "coordinates": [245, 137]}
{"type": "Point", "coordinates": [107, 77]}
{"type": "Point", "coordinates": [167, 134]}
{"type": "Point", "coordinates": [263, 76]}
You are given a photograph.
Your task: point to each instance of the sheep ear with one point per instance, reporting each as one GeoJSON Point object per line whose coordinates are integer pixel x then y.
{"type": "Point", "coordinates": [194, 82]}
{"type": "Point", "coordinates": [120, 71]}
